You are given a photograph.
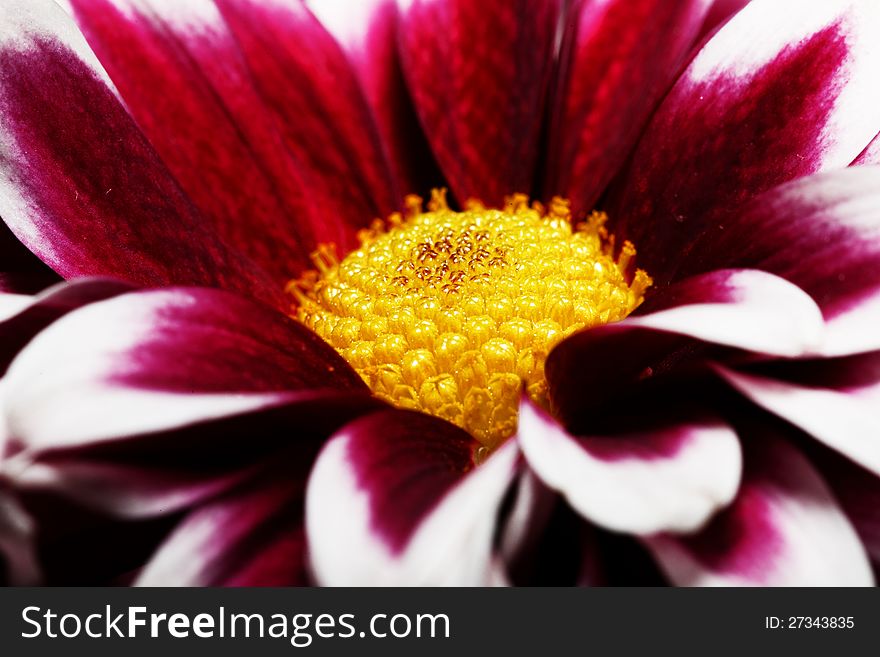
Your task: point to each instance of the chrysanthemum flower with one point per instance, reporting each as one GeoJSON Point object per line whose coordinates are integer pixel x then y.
{"type": "Point", "coordinates": [270, 363]}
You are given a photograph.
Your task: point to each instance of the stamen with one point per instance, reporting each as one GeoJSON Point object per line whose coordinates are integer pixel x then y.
{"type": "Point", "coordinates": [454, 313]}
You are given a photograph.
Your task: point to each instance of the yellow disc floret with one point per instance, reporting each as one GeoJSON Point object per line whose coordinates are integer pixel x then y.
{"type": "Point", "coordinates": [454, 313]}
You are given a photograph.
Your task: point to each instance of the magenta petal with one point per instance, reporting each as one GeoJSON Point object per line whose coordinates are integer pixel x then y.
{"type": "Point", "coordinates": [320, 111]}
{"type": "Point", "coordinates": [479, 72]}
{"type": "Point", "coordinates": [82, 188]}
{"type": "Point", "coordinates": [834, 400]}
{"type": "Point", "coordinates": [783, 90]}
{"type": "Point", "coordinates": [36, 313]}
{"type": "Point", "coordinates": [251, 537]}
{"type": "Point", "coordinates": [669, 477]}
{"type": "Point", "coordinates": [746, 310]}
{"type": "Point", "coordinates": [784, 529]}
{"type": "Point", "coordinates": [182, 77]}
{"type": "Point", "coordinates": [368, 32]}
{"type": "Point", "coordinates": [720, 11]}
{"type": "Point", "coordinates": [154, 360]}
{"type": "Point", "coordinates": [618, 59]}
{"type": "Point", "coordinates": [161, 473]}
{"type": "Point", "coordinates": [821, 233]}
{"type": "Point", "coordinates": [871, 154]}
{"type": "Point", "coordinates": [394, 497]}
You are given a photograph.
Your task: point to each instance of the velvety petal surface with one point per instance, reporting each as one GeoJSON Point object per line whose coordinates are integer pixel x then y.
{"type": "Point", "coordinates": [155, 360]}
{"type": "Point", "coordinates": [668, 477]}
{"type": "Point", "coordinates": [368, 31]}
{"type": "Point", "coordinates": [80, 186]}
{"type": "Point", "coordinates": [823, 234]}
{"type": "Point", "coordinates": [682, 326]}
{"type": "Point", "coordinates": [395, 498]}
{"type": "Point", "coordinates": [22, 317]}
{"type": "Point", "coordinates": [784, 529]}
{"type": "Point", "coordinates": [783, 90]}
{"type": "Point", "coordinates": [479, 73]}
{"type": "Point", "coordinates": [319, 108]}
{"type": "Point", "coordinates": [618, 58]}
{"type": "Point", "coordinates": [184, 80]}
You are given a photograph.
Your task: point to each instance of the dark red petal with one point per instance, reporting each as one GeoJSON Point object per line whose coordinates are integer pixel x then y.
{"type": "Point", "coordinates": [684, 325]}
{"type": "Point", "coordinates": [76, 546]}
{"type": "Point", "coordinates": [253, 536]}
{"type": "Point", "coordinates": [783, 90]}
{"type": "Point", "coordinates": [479, 73]}
{"type": "Point", "coordinates": [320, 111]}
{"type": "Point", "coordinates": [618, 59]}
{"type": "Point", "coordinates": [871, 154]}
{"type": "Point", "coordinates": [668, 476]}
{"type": "Point", "coordinates": [82, 188]}
{"type": "Point", "coordinates": [784, 529]}
{"type": "Point", "coordinates": [185, 82]}
{"type": "Point", "coordinates": [154, 360]}
{"type": "Point", "coordinates": [368, 32]}
{"type": "Point", "coordinates": [823, 234]}
{"type": "Point", "coordinates": [835, 400]}
{"type": "Point", "coordinates": [163, 472]}
{"type": "Point", "coordinates": [395, 498]}
{"type": "Point", "coordinates": [36, 313]}
{"type": "Point", "coordinates": [720, 11]}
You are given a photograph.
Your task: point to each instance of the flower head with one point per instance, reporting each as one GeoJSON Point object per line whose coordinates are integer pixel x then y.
{"type": "Point", "coordinates": [269, 364]}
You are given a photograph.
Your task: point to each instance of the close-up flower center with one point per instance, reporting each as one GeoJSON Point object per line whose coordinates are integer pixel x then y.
{"type": "Point", "coordinates": [453, 313]}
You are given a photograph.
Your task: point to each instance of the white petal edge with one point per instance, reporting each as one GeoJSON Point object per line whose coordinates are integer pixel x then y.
{"type": "Point", "coordinates": [839, 420]}
{"type": "Point", "coordinates": [639, 496]}
{"type": "Point", "coordinates": [451, 547]}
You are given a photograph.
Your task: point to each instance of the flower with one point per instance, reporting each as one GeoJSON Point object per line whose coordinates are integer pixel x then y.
{"type": "Point", "coordinates": [165, 421]}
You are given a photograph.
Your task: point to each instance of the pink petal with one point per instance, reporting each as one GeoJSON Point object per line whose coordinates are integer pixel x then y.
{"type": "Point", "coordinates": [833, 400]}
{"type": "Point", "coordinates": [185, 82]}
{"type": "Point", "coordinates": [155, 360]}
{"type": "Point", "coordinates": [162, 473]}
{"type": "Point", "coordinates": [684, 325]}
{"type": "Point", "coordinates": [251, 537]}
{"type": "Point", "coordinates": [81, 187]}
{"type": "Point", "coordinates": [783, 90]}
{"type": "Point", "coordinates": [33, 314]}
{"type": "Point", "coordinates": [669, 477]}
{"type": "Point", "coordinates": [720, 11]}
{"type": "Point", "coordinates": [395, 498]}
{"type": "Point", "coordinates": [368, 32]}
{"type": "Point", "coordinates": [479, 73]}
{"type": "Point", "coordinates": [821, 233]}
{"type": "Point", "coordinates": [871, 154]}
{"type": "Point", "coordinates": [784, 529]}
{"type": "Point", "coordinates": [618, 59]}
{"type": "Point", "coordinates": [306, 81]}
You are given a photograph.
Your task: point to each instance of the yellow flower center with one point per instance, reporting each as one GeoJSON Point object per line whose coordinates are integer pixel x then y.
{"type": "Point", "coordinates": [454, 313]}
